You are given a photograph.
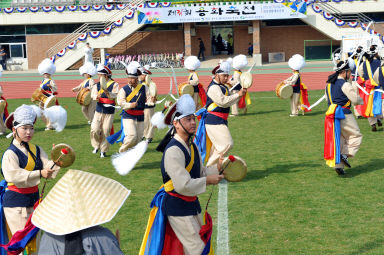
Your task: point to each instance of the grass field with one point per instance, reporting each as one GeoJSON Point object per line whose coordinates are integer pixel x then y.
{"type": "Point", "coordinates": [289, 203]}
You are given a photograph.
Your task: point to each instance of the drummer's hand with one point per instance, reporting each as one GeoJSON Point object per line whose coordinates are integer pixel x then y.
{"type": "Point", "coordinates": [47, 173]}
{"type": "Point", "coordinates": [242, 92]}
{"type": "Point", "coordinates": [220, 162]}
{"type": "Point", "coordinates": [154, 99]}
{"type": "Point", "coordinates": [133, 105]}
{"type": "Point", "coordinates": [214, 179]}
{"type": "Point", "coordinates": [98, 97]}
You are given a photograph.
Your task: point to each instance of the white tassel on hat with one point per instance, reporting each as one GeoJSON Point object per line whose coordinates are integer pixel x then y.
{"type": "Point", "coordinates": [157, 120]}
{"type": "Point", "coordinates": [88, 68]}
{"type": "Point", "coordinates": [37, 110]}
{"type": "Point", "coordinates": [239, 62]}
{"type": "Point", "coordinates": [57, 115]}
{"type": "Point", "coordinates": [192, 63]}
{"type": "Point", "coordinates": [46, 66]}
{"type": "Point", "coordinates": [124, 162]}
{"type": "Point", "coordinates": [296, 62]}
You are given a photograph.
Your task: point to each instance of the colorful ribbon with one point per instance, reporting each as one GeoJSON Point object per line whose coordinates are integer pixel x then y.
{"type": "Point", "coordinates": [304, 97]}
{"type": "Point", "coordinates": [332, 133]}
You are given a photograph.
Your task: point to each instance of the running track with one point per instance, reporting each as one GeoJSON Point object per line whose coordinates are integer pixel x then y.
{"type": "Point", "coordinates": [261, 82]}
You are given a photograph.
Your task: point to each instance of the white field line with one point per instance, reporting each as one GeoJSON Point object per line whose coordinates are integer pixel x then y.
{"type": "Point", "coordinates": [222, 222]}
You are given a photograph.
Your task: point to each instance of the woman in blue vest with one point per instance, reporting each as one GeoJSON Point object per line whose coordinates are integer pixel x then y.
{"type": "Point", "coordinates": [87, 71]}
{"type": "Point", "coordinates": [23, 165]}
{"type": "Point", "coordinates": [103, 119]}
{"type": "Point", "coordinates": [366, 72]}
{"type": "Point", "coordinates": [132, 98]}
{"type": "Point", "coordinates": [342, 94]}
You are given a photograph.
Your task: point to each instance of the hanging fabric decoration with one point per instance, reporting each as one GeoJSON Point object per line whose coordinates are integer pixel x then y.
{"type": "Point", "coordinates": [60, 8]}
{"type": "Point", "coordinates": [129, 15]}
{"type": "Point", "coordinates": [71, 45]}
{"type": "Point", "coordinates": [108, 7]}
{"type": "Point", "coordinates": [353, 24]}
{"type": "Point", "coordinates": [34, 9]}
{"type": "Point", "coordinates": [119, 23]}
{"type": "Point", "coordinates": [47, 8]}
{"type": "Point", "coordinates": [121, 6]}
{"type": "Point", "coordinates": [85, 8]}
{"type": "Point", "coordinates": [53, 59]}
{"type": "Point", "coordinates": [108, 30]}
{"type": "Point", "coordinates": [97, 7]}
{"type": "Point", "coordinates": [95, 34]}
{"type": "Point", "coordinates": [165, 4]}
{"type": "Point", "coordinates": [8, 10]}
{"type": "Point", "coordinates": [21, 9]}
{"type": "Point", "coordinates": [61, 53]}
{"type": "Point", "coordinates": [72, 8]}
{"type": "Point", "coordinates": [316, 9]}
{"type": "Point", "coordinates": [327, 16]}
{"type": "Point", "coordinates": [339, 22]}
{"type": "Point", "coordinates": [152, 5]}
{"type": "Point", "coordinates": [83, 37]}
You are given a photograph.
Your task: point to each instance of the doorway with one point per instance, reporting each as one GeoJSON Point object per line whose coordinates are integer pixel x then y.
{"type": "Point", "coordinates": [222, 39]}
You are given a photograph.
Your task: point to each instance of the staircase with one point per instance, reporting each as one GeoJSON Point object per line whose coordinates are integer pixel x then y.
{"type": "Point", "coordinates": [117, 34]}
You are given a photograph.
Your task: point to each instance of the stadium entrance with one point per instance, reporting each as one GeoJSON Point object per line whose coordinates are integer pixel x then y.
{"type": "Point", "coordinates": [222, 38]}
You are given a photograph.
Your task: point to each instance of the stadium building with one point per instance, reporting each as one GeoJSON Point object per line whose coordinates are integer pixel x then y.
{"type": "Point", "coordinates": [32, 30]}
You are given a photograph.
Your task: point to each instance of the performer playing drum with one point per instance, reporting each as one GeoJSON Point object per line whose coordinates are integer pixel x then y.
{"type": "Point", "coordinates": [342, 134]}
{"type": "Point", "coordinates": [192, 63]}
{"type": "Point", "coordinates": [105, 92]}
{"type": "Point", "coordinates": [132, 98]}
{"type": "Point", "coordinates": [213, 125]}
{"type": "Point", "coordinates": [150, 103]}
{"type": "Point", "coordinates": [239, 62]}
{"type": "Point", "coordinates": [88, 106]}
{"type": "Point", "coordinates": [184, 177]}
{"type": "Point", "coordinates": [48, 86]}
{"type": "Point", "coordinates": [296, 63]}
{"type": "Point", "coordinates": [372, 103]}
{"type": "Point", "coordinates": [23, 165]}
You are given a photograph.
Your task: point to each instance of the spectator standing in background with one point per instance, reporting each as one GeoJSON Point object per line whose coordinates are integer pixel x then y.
{"type": "Point", "coordinates": [88, 51]}
{"type": "Point", "coordinates": [213, 45]}
{"type": "Point", "coordinates": [201, 49]}
{"type": "Point", "coordinates": [230, 44]}
{"type": "Point", "coordinates": [3, 58]}
{"type": "Point", "coordinates": [250, 49]}
{"type": "Point", "coordinates": [106, 61]}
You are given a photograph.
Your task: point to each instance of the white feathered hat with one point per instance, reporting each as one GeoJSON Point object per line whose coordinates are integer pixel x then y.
{"type": "Point", "coordinates": [223, 68]}
{"type": "Point", "coordinates": [192, 63]}
{"type": "Point", "coordinates": [296, 62]}
{"type": "Point", "coordinates": [184, 106]}
{"type": "Point", "coordinates": [47, 66]}
{"type": "Point", "coordinates": [88, 68]}
{"type": "Point", "coordinates": [24, 115]}
{"type": "Point", "coordinates": [239, 62]}
{"type": "Point", "coordinates": [133, 69]}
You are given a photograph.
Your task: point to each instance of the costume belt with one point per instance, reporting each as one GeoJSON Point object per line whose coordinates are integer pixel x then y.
{"type": "Point", "coordinates": [106, 101]}
{"type": "Point", "coordinates": [220, 114]}
{"type": "Point", "coordinates": [135, 112]}
{"type": "Point", "coordinates": [30, 190]}
{"type": "Point", "coordinates": [185, 198]}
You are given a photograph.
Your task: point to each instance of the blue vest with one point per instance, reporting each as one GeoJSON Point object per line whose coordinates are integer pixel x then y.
{"type": "Point", "coordinates": [375, 63]}
{"type": "Point", "coordinates": [46, 87]}
{"type": "Point", "coordinates": [100, 106]}
{"type": "Point", "coordinates": [15, 199]}
{"type": "Point", "coordinates": [212, 119]}
{"type": "Point", "coordinates": [86, 85]}
{"type": "Point", "coordinates": [296, 87]}
{"type": "Point", "coordinates": [381, 78]}
{"type": "Point", "coordinates": [140, 103]}
{"type": "Point", "coordinates": [174, 206]}
{"type": "Point", "coordinates": [337, 95]}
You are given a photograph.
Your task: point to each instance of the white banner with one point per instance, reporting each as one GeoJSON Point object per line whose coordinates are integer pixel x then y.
{"type": "Point", "coordinates": [241, 11]}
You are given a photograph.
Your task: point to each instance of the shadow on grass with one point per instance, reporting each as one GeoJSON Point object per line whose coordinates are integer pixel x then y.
{"type": "Point", "coordinates": [278, 169]}
{"type": "Point", "coordinates": [77, 126]}
{"type": "Point", "coordinates": [368, 247]}
{"type": "Point", "coordinates": [259, 113]}
{"type": "Point", "coordinates": [371, 166]}
{"type": "Point", "coordinates": [148, 165]}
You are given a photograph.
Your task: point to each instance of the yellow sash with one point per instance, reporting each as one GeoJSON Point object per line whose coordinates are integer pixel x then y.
{"type": "Point", "coordinates": [84, 82]}
{"type": "Point", "coordinates": [44, 82]}
{"type": "Point", "coordinates": [212, 106]}
{"type": "Point", "coordinates": [191, 74]}
{"type": "Point", "coordinates": [370, 73]}
{"type": "Point", "coordinates": [134, 93]}
{"type": "Point", "coordinates": [109, 83]}
{"type": "Point", "coordinates": [168, 186]}
{"type": "Point", "coordinates": [30, 163]}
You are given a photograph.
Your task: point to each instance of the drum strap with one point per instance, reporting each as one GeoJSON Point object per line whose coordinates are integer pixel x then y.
{"type": "Point", "coordinates": [168, 186]}
{"type": "Point", "coordinates": [134, 93]}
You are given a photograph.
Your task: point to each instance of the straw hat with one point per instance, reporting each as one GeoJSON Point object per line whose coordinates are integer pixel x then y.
{"type": "Point", "coordinates": [78, 201]}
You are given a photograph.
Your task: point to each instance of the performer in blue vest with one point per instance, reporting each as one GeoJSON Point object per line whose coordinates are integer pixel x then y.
{"type": "Point", "coordinates": [213, 125]}
{"type": "Point", "coordinates": [102, 122]}
{"type": "Point", "coordinates": [372, 103]}
{"type": "Point", "coordinates": [358, 59]}
{"type": "Point", "coordinates": [131, 98]}
{"type": "Point", "coordinates": [23, 165]}
{"type": "Point", "coordinates": [87, 71]}
{"type": "Point", "coordinates": [184, 178]}
{"type": "Point", "coordinates": [342, 134]}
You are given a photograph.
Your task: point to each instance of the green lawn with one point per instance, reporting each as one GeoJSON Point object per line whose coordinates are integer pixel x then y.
{"type": "Point", "coordinates": [289, 203]}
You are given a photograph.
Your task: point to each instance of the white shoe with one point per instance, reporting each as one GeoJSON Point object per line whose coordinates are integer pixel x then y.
{"type": "Point", "coordinates": [95, 151]}
{"type": "Point", "coordinates": [102, 155]}
{"type": "Point", "coordinates": [1, 133]}
{"type": "Point", "coordinates": [89, 122]}
{"type": "Point", "coordinates": [292, 115]}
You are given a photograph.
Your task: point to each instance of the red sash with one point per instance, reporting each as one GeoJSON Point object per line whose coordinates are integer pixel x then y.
{"type": "Point", "coordinates": [135, 112]}
{"type": "Point", "coordinates": [220, 114]}
{"type": "Point", "coordinates": [30, 190]}
{"type": "Point", "coordinates": [106, 101]}
{"type": "Point", "coordinates": [185, 198]}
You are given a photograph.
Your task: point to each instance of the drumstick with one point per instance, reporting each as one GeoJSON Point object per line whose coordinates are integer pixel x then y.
{"type": "Point", "coordinates": [313, 105]}
{"type": "Point", "coordinates": [137, 99]}
{"type": "Point", "coordinates": [251, 67]}
{"type": "Point", "coordinates": [222, 170]}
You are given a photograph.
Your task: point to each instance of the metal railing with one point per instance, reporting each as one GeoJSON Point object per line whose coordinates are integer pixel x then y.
{"type": "Point", "coordinates": [347, 17]}
{"type": "Point", "coordinates": [90, 27]}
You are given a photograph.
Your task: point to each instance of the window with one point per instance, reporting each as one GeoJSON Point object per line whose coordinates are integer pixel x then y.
{"type": "Point", "coordinates": [16, 50]}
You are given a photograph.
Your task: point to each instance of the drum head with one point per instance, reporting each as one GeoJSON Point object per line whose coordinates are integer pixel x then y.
{"type": "Point", "coordinates": [186, 88]}
{"type": "Point", "coordinates": [148, 79]}
{"type": "Point", "coordinates": [246, 80]}
{"type": "Point", "coordinates": [87, 98]}
{"type": "Point", "coordinates": [152, 89]}
{"type": "Point", "coordinates": [286, 91]}
{"type": "Point", "coordinates": [58, 153]}
{"type": "Point", "coordinates": [9, 121]}
{"type": "Point", "coordinates": [50, 101]}
{"type": "Point", "coordinates": [235, 170]}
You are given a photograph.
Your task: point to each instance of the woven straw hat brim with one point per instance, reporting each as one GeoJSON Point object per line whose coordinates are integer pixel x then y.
{"type": "Point", "coordinates": [78, 201]}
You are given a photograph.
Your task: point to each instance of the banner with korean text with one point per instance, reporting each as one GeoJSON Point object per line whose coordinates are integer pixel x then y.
{"type": "Point", "coordinates": [223, 12]}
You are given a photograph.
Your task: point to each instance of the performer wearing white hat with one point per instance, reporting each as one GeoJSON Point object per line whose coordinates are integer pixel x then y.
{"type": "Point", "coordinates": [184, 178]}
{"type": "Point", "coordinates": [219, 140]}
{"type": "Point", "coordinates": [358, 59]}
{"type": "Point", "coordinates": [48, 86]}
{"type": "Point", "coordinates": [296, 63]}
{"type": "Point", "coordinates": [103, 119]}
{"type": "Point", "coordinates": [150, 104]}
{"type": "Point", "coordinates": [192, 63]}
{"type": "Point", "coordinates": [75, 215]}
{"type": "Point", "coordinates": [23, 165]}
{"type": "Point", "coordinates": [342, 134]}
{"type": "Point", "coordinates": [132, 98]}
{"type": "Point", "coordinates": [372, 103]}
{"type": "Point", "coordinates": [239, 62]}
{"type": "Point", "coordinates": [87, 71]}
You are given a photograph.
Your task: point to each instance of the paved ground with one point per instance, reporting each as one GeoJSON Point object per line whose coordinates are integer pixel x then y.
{"type": "Point", "coordinates": [21, 84]}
